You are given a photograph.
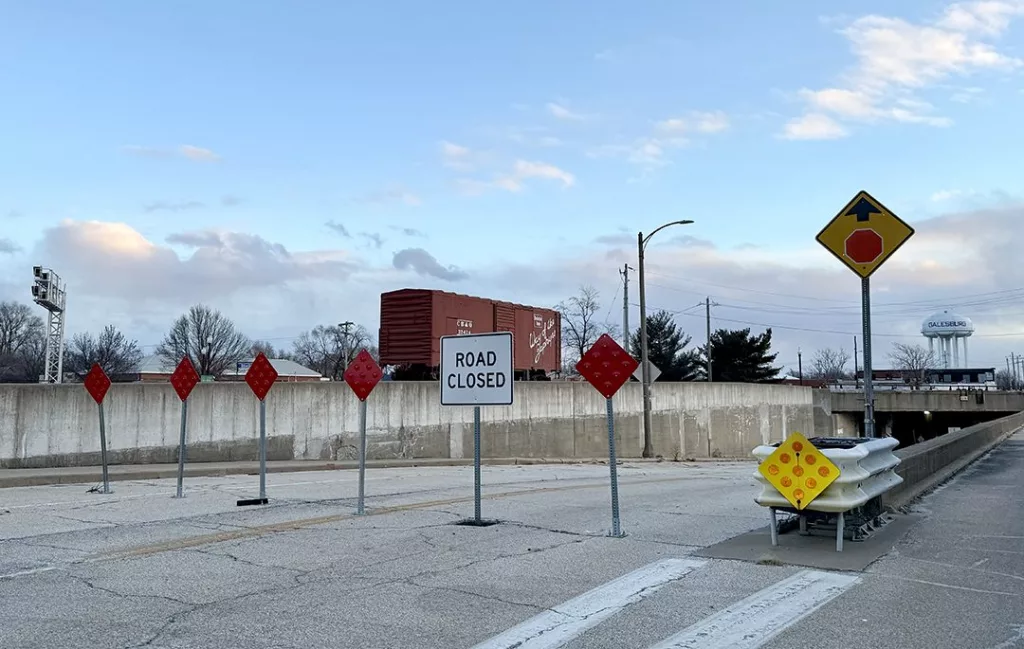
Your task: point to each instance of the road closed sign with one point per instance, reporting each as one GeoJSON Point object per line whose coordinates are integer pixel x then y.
{"type": "Point", "coordinates": [476, 369]}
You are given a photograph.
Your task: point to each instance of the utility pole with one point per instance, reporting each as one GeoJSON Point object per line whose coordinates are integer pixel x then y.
{"type": "Point", "coordinates": [625, 306]}
{"type": "Point", "coordinates": [344, 344]}
{"type": "Point", "coordinates": [707, 316]}
{"type": "Point", "coordinates": [856, 364]}
{"type": "Point", "coordinates": [800, 364]}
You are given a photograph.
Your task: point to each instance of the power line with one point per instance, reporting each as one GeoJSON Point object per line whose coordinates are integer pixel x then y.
{"type": "Point", "coordinates": [687, 312]}
{"type": "Point", "coordinates": [1008, 295]}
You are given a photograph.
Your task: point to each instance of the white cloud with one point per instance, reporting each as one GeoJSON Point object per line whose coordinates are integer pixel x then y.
{"type": "Point", "coordinates": [813, 126]}
{"type": "Point", "coordinates": [966, 95]}
{"type": "Point", "coordinates": [715, 122]}
{"type": "Point", "coordinates": [896, 58]}
{"type": "Point", "coordinates": [514, 180]}
{"type": "Point", "coordinates": [965, 196]}
{"type": "Point", "coordinates": [456, 156]}
{"type": "Point", "coordinates": [650, 151]}
{"type": "Point", "coordinates": [562, 112]}
{"type": "Point", "coordinates": [945, 195]}
{"type": "Point", "coordinates": [192, 152]}
{"type": "Point", "coordinates": [990, 17]}
{"type": "Point", "coordinates": [711, 122]}
{"type": "Point", "coordinates": [198, 153]}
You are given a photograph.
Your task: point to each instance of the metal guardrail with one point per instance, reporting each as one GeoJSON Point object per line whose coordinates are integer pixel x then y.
{"type": "Point", "coordinates": [867, 469]}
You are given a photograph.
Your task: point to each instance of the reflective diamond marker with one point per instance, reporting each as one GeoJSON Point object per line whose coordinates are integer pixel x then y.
{"type": "Point", "coordinates": [184, 378]}
{"type": "Point", "coordinates": [363, 375]}
{"type": "Point", "coordinates": [261, 376]}
{"type": "Point", "coordinates": [97, 383]}
{"type": "Point", "coordinates": [607, 366]}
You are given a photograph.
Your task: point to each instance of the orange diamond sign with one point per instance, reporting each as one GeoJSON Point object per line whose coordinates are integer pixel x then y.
{"type": "Point", "coordinates": [798, 470]}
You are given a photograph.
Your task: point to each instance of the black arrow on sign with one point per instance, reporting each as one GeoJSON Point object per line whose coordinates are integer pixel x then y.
{"type": "Point", "coordinates": [863, 209]}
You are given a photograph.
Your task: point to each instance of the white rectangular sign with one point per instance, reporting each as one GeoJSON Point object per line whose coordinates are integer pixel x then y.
{"type": "Point", "coordinates": [476, 369]}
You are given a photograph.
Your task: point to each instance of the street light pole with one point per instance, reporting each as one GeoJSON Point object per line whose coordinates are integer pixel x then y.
{"type": "Point", "coordinates": [645, 370]}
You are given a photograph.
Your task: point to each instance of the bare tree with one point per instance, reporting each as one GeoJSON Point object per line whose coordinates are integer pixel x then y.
{"type": "Point", "coordinates": [22, 343]}
{"type": "Point", "coordinates": [117, 355]}
{"type": "Point", "coordinates": [208, 338]}
{"type": "Point", "coordinates": [913, 360]}
{"type": "Point", "coordinates": [267, 348]}
{"type": "Point", "coordinates": [1007, 381]}
{"type": "Point", "coordinates": [330, 349]}
{"type": "Point", "coordinates": [580, 326]}
{"type": "Point", "coordinates": [830, 364]}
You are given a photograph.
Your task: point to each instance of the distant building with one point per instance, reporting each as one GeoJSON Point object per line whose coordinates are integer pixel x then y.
{"type": "Point", "coordinates": [287, 370]}
{"type": "Point", "coordinates": [788, 379]}
{"type": "Point", "coordinates": [934, 379]}
{"type": "Point", "coordinates": [154, 369]}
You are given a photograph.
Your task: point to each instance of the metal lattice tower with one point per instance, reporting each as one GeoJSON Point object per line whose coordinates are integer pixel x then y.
{"type": "Point", "coordinates": [48, 292]}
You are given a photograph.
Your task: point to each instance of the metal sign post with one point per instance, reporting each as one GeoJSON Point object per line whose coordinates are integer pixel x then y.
{"type": "Point", "coordinates": [261, 377]}
{"type": "Point", "coordinates": [183, 379]}
{"type": "Point", "coordinates": [360, 508]}
{"type": "Point", "coordinates": [181, 450]}
{"type": "Point", "coordinates": [103, 449]}
{"type": "Point", "coordinates": [263, 450]}
{"type": "Point", "coordinates": [869, 384]}
{"type": "Point", "coordinates": [96, 384]}
{"type": "Point", "coordinates": [863, 235]}
{"type": "Point", "coordinates": [607, 367]}
{"type": "Point", "coordinates": [477, 370]}
{"type": "Point", "coordinates": [362, 376]}
{"type": "Point", "coordinates": [476, 465]}
{"type": "Point", "coordinates": [612, 462]}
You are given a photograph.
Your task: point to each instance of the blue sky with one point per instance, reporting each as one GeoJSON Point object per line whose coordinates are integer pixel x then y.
{"type": "Point", "coordinates": [512, 134]}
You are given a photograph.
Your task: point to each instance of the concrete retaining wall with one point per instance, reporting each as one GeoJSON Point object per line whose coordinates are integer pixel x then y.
{"type": "Point", "coordinates": [928, 464]}
{"type": "Point", "coordinates": [57, 425]}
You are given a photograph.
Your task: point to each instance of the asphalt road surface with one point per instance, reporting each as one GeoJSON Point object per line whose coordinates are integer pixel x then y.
{"type": "Point", "coordinates": [138, 568]}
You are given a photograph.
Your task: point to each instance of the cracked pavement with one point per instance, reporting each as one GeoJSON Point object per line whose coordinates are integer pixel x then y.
{"type": "Point", "coordinates": [138, 568]}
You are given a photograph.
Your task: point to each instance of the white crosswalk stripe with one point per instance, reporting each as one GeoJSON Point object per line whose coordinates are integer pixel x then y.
{"type": "Point", "coordinates": [757, 619]}
{"type": "Point", "coordinates": [568, 620]}
{"type": "Point", "coordinates": [747, 624]}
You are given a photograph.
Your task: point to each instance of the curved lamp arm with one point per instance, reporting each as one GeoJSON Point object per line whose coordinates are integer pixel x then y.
{"type": "Point", "coordinates": [658, 229]}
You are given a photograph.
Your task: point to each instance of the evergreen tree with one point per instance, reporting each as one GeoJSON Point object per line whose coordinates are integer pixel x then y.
{"type": "Point", "coordinates": [666, 349]}
{"type": "Point", "coordinates": [738, 357]}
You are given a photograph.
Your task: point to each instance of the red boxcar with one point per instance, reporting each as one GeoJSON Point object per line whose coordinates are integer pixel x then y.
{"type": "Point", "coordinates": [412, 322]}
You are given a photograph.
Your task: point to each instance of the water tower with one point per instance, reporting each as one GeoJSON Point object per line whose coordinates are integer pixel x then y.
{"type": "Point", "coordinates": [949, 328]}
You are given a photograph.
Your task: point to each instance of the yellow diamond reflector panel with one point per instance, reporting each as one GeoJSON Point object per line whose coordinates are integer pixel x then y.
{"type": "Point", "coordinates": [798, 470]}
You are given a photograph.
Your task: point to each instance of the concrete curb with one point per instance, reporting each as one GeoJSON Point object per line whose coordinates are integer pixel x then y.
{"type": "Point", "coordinates": [906, 497]}
{"type": "Point", "coordinates": [94, 474]}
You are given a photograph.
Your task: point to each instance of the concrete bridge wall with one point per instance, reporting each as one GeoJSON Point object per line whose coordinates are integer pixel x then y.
{"type": "Point", "coordinates": [57, 425]}
{"type": "Point", "coordinates": [930, 463]}
{"type": "Point", "coordinates": [929, 400]}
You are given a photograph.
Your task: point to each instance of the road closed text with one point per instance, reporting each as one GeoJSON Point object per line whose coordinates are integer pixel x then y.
{"type": "Point", "coordinates": [476, 370]}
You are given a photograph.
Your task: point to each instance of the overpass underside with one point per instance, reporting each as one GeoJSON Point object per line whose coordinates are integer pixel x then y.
{"type": "Point", "coordinates": [916, 415]}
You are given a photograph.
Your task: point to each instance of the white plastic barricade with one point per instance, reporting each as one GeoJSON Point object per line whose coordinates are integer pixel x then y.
{"type": "Point", "coordinates": [867, 469]}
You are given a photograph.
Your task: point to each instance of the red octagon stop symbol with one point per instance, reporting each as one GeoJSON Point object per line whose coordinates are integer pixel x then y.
{"type": "Point", "coordinates": [864, 246]}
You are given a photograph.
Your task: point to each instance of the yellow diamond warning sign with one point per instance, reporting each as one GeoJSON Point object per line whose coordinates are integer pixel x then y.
{"type": "Point", "coordinates": [798, 470]}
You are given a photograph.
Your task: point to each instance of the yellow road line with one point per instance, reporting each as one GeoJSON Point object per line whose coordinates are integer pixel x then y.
{"type": "Point", "coordinates": [288, 526]}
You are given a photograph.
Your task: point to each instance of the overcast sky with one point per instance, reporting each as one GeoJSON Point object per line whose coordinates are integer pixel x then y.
{"type": "Point", "coordinates": [287, 163]}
